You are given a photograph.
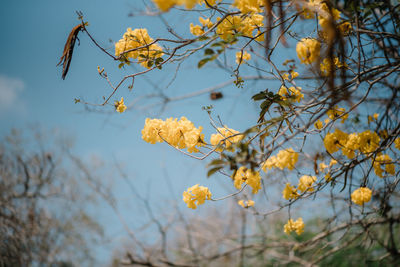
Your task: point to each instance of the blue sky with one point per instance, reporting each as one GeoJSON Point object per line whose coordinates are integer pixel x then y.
{"type": "Point", "coordinates": [32, 93]}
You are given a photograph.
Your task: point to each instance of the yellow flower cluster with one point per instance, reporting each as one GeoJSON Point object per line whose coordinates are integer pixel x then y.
{"type": "Point", "coordinates": [180, 134]}
{"type": "Point", "coordinates": [305, 185]}
{"type": "Point", "coordinates": [246, 204]}
{"type": "Point", "coordinates": [397, 143]}
{"type": "Point", "coordinates": [196, 195]}
{"type": "Point", "coordinates": [135, 39]}
{"type": "Point", "coordinates": [326, 18]}
{"type": "Point", "coordinates": [198, 30]}
{"type": "Point", "coordinates": [286, 158]}
{"type": "Point", "coordinates": [366, 142]}
{"type": "Point", "coordinates": [352, 143]}
{"type": "Point", "coordinates": [246, 26]}
{"type": "Point", "coordinates": [309, 9]}
{"type": "Point", "coordinates": [336, 112]}
{"type": "Point", "coordinates": [291, 226]}
{"type": "Point", "coordinates": [293, 74]}
{"type": "Point", "coordinates": [308, 50]}
{"type": "Point", "coordinates": [345, 28]}
{"type": "Point", "coordinates": [165, 5]}
{"type": "Point", "coordinates": [293, 93]}
{"type": "Point", "coordinates": [242, 57]}
{"type": "Point", "coordinates": [290, 192]}
{"type": "Point", "coordinates": [225, 137]}
{"type": "Point", "coordinates": [334, 141]}
{"type": "Point", "coordinates": [361, 195]}
{"type": "Point", "coordinates": [248, 176]}
{"type": "Point", "coordinates": [386, 160]}
{"type": "Point", "coordinates": [333, 114]}
{"type": "Point", "coordinates": [326, 66]}
{"type": "Point", "coordinates": [374, 117]}
{"type": "Point", "coordinates": [120, 106]}
{"type": "Point", "coordinates": [369, 141]}
{"type": "Point", "coordinates": [248, 6]}
{"type": "Point", "coordinates": [323, 167]}
{"type": "Point", "coordinates": [318, 124]}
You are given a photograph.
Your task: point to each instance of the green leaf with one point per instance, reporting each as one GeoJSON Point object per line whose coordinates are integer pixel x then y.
{"type": "Point", "coordinates": [203, 38]}
{"type": "Point", "coordinates": [159, 60]}
{"type": "Point", "coordinates": [216, 162]}
{"type": "Point", "coordinates": [213, 170]}
{"type": "Point", "coordinates": [209, 51]}
{"type": "Point", "coordinates": [120, 65]}
{"type": "Point", "coordinates": [203, 61]}
{"type": "Point", "coordinates": [259, 96]}
{"type": "Point", "coordinates": [150, 63]}
{"type": "Point", "coordinates": [216, 44]}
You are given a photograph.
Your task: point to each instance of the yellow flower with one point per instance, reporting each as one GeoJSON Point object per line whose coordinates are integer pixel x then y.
{"type": "Point", "coordinates": [189, 4]}
{"type": "Point", "coordinates": [305, 183]}
{"type": "Point", "coordinates": [233, 25]}
{"type": "Point", "coordinates": [289, 192]}
{"type": "Point", "coordinates": [322, 166]}
{"type": "Point", "coordinates": [246, 6]}
{"type": "Point", "coordinates": [397, 143]}
{"type": "Point", "coordinates": [240, 58]}
{"type": "Point", "coordinates": [333, 162]}
{"type": "Point", "coordinates": [308, 50]}
{"type": "Point", "coordinates": [352, 143]}
{"type": "Point", "coordinates": [269, 163]}
{"type": "Point", "coordinates": [334, 141]}
{"type": "Point", "coordinates": [318, 125]}
{"type": "Point", "coordinates": [246, 204]}
{"type": "Point", "coordinates": [291, 226]}
{"type": "Point", "coordinates": [165, 5]}
{"type": "Point", "coordinates": [345, 28]}
{"type": "Point", "coordinates": [294, 74]}
{"type": "Point", "coordinates": [309, 9]}
{"type": "Point", "coordinates": [386, 160]}
{"type": "Point", "coordinates": [328, 177]}
{"type": "Point", "coordinates": [361, 195]}
{"type": "Point", "coordinates": [373, 117]}
{"type": "Point", "coordinates": [248, 176]}
{"type": "Point", "coordinates": [336, 112]}
{"type": "Point", "coordinates": [383, 134]}
{"type": "Point", "coordinates": [196, 195]}
{"type": "Point", "coordinates": [369, 141]}
{"type": "Point", "coordinates": [120, 106]}
{"type": "Point", "coordinates": [135, 39]}
{"type": "Point", "coordinates": [293, 93]}
{"type": "Point", "coordinates": [286, 158]}
{"type": "Point", "coordinates": [196, 29]}
{"type": "Point", "coordinates": [326, 67]}
{"type": "Point", "coordinates": [205, 22]}
{"type": "Point", "coordinates": [228, 135]}
{"type": "Point", "coordinates": [180, 134]}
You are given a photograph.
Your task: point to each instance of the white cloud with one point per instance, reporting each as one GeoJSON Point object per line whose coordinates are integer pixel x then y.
{"type": "Point", "coordinates": [10, 89]}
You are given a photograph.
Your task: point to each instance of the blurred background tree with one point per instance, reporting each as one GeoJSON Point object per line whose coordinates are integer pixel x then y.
{"type": "Point", "coordinates": [44, 215]}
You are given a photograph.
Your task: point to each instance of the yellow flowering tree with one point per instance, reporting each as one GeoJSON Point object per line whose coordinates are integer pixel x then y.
{"type": "Point", "coordinates": [328, 123]}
